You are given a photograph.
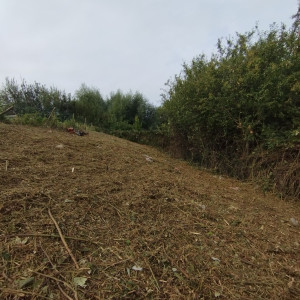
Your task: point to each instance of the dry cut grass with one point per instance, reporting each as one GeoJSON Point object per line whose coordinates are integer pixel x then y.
{"type": "Point", "coordinates": [97, 217]}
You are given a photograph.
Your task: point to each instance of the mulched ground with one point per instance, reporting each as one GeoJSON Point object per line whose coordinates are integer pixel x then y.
{"type": "Point", "coordinates": [98, 217]}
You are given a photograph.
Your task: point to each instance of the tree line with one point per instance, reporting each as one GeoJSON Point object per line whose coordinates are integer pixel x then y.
{"type": "Point", "coordinates": [120, 111]}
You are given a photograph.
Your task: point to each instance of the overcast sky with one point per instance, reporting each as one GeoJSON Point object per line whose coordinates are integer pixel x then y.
{"type": "Point", "coordinates": [132, 45]}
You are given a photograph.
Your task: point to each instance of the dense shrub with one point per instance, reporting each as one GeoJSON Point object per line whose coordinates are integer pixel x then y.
{"type": "Point", "coordinates": [130, 112]}
{"type": "Point", "coordinates": [118, 112]}
{"type": "Point", "coordinates": [35, 99]}
{"type": "Point", "coordinates": [247, 95]}
{"type": "Point", "coordinates": [243, 100]}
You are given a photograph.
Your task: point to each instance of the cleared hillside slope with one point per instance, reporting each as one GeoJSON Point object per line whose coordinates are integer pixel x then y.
{"type": "Point", "coordinates": [135, 224]}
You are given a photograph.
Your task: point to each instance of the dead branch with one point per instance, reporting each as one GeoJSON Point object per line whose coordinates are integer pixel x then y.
{"type": "Point", "coordinates": [7, 110]}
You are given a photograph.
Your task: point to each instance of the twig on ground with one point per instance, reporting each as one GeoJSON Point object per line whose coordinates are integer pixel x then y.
{"type": "Point", "coordinates": [19, 292]}
{"type": "Point", "coordinates": [58, 280]}
{"type": "Point", "coordinates": [63, 239]}
{"type": "Point", "coordinates": [154, 278]}
{"type": "Point", "coordinates": [118, 212]}
{"type": "Point", "coordinates": [176, 265]}
{"type": "Point", "coordinates": [53, 236]}
{"type": "Point", "coordinates": [116, 263]}
{"type": "Point", "coordinates": [50, 261]}
{"type": "Point", "coordinates": [63, 292]}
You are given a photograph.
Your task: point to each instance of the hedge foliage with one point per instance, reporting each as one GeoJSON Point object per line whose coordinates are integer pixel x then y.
{"type": "Point", "coordinates": [245, 96]}
{"type": "Point", "coordinates": [118, 112]}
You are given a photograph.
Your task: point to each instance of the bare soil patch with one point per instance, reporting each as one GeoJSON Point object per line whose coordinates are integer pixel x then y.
{"type": "Point", "coordinates": [135, 224]}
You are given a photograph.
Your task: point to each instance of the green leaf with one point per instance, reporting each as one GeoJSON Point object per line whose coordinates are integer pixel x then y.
{"type": "Point", "coordinates": [178, 276]}
{"type": "Point", "coordinates": [80, 281]}
{"type": "Point", "coordinates": [5, 255]}
{"type": "Point", "coordinates": [25, 282]}
{"type": "Point", "coordinates": [217, 294]}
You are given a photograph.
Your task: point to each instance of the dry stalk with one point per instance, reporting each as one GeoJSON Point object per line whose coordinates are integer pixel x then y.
{"type": "Point", "coordinates": [63, 239]}
{"type": "Point", "coordinates": [59, 281]}
{"type": "Point", "coordinates": [64, 293]}
{"type": "Point", "coordinates": [118, 211]}
{"type": "Point", "coordinates": [177, 266]}
{"type": "Point", "coordinates": [154, 278]}
{"type": "Point", "coordinates": [53, 236]}
{"type": "Point", "coordinates": [20, 292]}
{"type": "Point", "coordinates": [116, 263]}
{"type": "Point", "coordinates": [53, 266]}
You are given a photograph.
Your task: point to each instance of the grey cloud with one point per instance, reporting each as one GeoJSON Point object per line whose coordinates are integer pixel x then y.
{"type": "Point", "coordinates": [127, 44]}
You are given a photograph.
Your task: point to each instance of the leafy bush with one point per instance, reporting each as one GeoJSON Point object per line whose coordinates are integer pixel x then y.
{"type": "Point", "coordinates": [89, 106]}
{"type": "Point", "coordinates": [129, 112]}
{"type": "Point", "coordinates": [36, 99]}
{"type": "Point", "coordinates": [243, 100]}
{"type": "Point", "coordinates": [29, 119]}
{"type": "Point", "coordinates": [245, 96]}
